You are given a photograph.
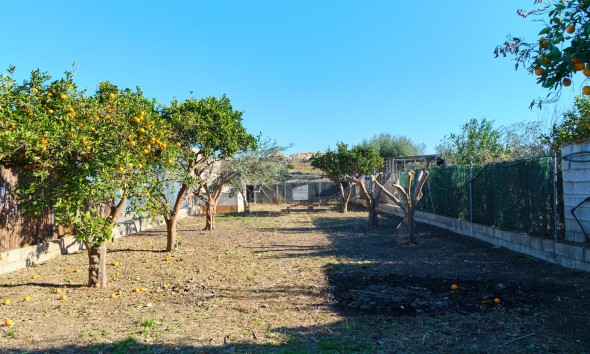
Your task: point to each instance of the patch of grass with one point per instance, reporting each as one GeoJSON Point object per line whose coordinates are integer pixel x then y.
{"type": "Point", "coordinates": [11, 334]}
{"type": "Point", "coordinates": [148, 324]}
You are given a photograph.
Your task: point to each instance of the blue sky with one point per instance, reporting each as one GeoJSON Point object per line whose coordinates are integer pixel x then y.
{"type": "Point", "coordinates": [307, 72]}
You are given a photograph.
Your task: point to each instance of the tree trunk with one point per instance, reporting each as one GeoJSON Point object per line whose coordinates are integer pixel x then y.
{"type": "Point", "coordinates": [97, 265]}
{"type": "Point", "coordinates": [373, 214]}
{"type": "Point", "coordinates": [210, 212]}
{"type": "Point", "coordinates": [408, 202]}
{"type": "Point", "coordinates": [370, 202]}
{"type": "Point", "coordinates": [344, 198]}
{"type": "Point", "coordinates": [172, 235]}
{"type": "Point", "coordinates": [245, 200]}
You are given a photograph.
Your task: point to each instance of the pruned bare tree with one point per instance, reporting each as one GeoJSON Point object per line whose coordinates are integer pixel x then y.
{"type": "Point", "coordinates": [407, 201]}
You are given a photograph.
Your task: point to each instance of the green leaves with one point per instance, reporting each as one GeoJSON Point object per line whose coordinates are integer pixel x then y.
{"type": "Point", "coordinates": [343, 163]}
{"type": "Point", "coordinates": [545, 30]}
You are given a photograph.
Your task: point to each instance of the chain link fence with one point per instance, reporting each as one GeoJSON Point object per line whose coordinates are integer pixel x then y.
{"type": "Point", "coordinates": [522, 195]}
{"type": "Point", "coordinates": [298, 191]}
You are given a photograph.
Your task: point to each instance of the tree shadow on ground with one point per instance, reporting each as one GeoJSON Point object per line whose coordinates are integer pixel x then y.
{"type": "Point", "coordinates": [399, 299]}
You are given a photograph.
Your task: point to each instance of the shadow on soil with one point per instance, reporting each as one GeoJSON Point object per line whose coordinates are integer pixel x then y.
{"type": "Point", "coordinates": [400, 299]}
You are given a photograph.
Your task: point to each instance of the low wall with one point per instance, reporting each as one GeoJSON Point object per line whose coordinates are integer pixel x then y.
{"type": "Point", "coordinates": [19, 258]}
{"type": "Point", "coordinates": [566, 254]}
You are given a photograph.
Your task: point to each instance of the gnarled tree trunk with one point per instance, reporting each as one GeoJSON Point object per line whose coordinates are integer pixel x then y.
{"type": "Point", "coordinates": [408, 202]}
{"type": "Point", "coordinates": [371, 198]}
{"type": "Point", "coordinates": [344, 197]}
{"type": "Point", "coordinates": [97, 254]}
{"type": "Point", "coordinates": [171, 220]}
{"type": "Point", "coordinates": [172, 235]}
{"type": "Point", "coordinates": [210, 212]}
{"type": "Point", "coordinates": [97, 261]}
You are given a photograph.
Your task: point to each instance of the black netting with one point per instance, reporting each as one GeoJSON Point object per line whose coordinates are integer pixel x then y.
{"type": "Point", "coordinates": [516, 195]}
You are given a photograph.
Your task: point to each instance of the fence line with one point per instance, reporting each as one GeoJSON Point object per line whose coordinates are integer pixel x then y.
{"type": "Point", "coordinates": [516, 195]}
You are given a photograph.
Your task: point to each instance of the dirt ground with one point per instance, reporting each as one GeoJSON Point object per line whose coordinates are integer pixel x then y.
{"type": "Point", "coordinates": [304, 281]}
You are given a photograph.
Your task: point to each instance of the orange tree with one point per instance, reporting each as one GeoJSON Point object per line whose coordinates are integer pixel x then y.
{"type": "Point", "coordinates": [204, 132]}
{"type": "Point", "coordinates": [561, 55]}
{"type": "Point", "coordinates": [91, 151]}
{"type": "Point", "coordinates": [346, 165]}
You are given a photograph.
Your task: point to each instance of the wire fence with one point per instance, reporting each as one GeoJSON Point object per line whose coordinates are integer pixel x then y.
{"type": "Point", "coordinates": [523, 195]}
{"type": "Point", "coordinates": [297, 191]}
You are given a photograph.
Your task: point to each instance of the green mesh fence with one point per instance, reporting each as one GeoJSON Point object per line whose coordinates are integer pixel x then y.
{"type": "Point", "coordinates": [516, 196]}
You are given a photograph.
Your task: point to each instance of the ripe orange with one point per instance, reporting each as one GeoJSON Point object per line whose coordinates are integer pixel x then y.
{"type": "Point", "coordinates": [116, 264]}
{"type": "Point", "coordinates": [117, 274]}
{"type": "Point", "coordinates": [34, 90]}
{"type": "Point", "coordinates": [169, 161]}
{"type": "Point", "coordinates": [63, 297]}
{"type": "Point", "coordinates": [97, 285]}
{"type": "Point", "coordinates": [111, 96]}
{"type": "Point", "coordinates": [132, 143]}
{"type": "Point", "coordinates": [50, 111]}
{"type": "Point", "coordinates": [576, 60]}
{"type": "Point", "coordinates": [578, 66]}
{"type": "Point", "coordinates": [120, 292]}
{"type": "Point", "coordinates": [586, 90]}
{"type": "Point", "coordinates": [570, 29]}
{"type": "Point", "coordinates": [57, 290]}
{"type": "Point", "coordinates": [139, 165]}
{"type": "Point", "coordinates": [544, 60]}
{"type": "Point", "coordinates": [34, 276]}
{"type": "Point", "coordinates": [178, 144]}
{"type": "Point", "coordinates": [136, 290]}
{"type": "Point", "coordinates": [27, 298]}
{"type": "Point", "coordinates": [135, 120]}
{"type": "Point", "coordinates": [8, 322]}
{"type": "Point", "coordinates": [543, 43]}
{"type": "Point", "coordinates": [7, 302]}
{"type": "Point", "coordinates": [497, 300]}
{"type": "Point", "coordinates": [539, 71]}
{"type": "Point", "coordinates": [121, 169]}
{"type": "Point", "coordinates": [586, 71]}
{"type": "Point", "coordinates": [113, 296]}
{"type": "Point", "coordinates": [454, 287]}
{"type": "Point", "coordinates": [63, 96]}
{"type": "Point", "coordinates": [566, 82]}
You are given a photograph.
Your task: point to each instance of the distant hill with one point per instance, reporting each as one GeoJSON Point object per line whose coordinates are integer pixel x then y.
{"type": "Point", "coordinates": [302, 167]}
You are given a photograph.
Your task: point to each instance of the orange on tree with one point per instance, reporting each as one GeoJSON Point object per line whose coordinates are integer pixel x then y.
{"type": "Point", "coordinates": [579, 66]}
{"type": "Point", "coordinates": [586, 90]}
{"type": "Point", "coordinates": [566, 82]}
{"type": "Point", "coordinates": [570, 29]}
{"type": "Point", "coordinates": [539, 71]}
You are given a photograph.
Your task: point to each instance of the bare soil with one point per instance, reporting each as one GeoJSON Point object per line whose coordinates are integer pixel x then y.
{"type": "Point", "coordinates": [307, 280]}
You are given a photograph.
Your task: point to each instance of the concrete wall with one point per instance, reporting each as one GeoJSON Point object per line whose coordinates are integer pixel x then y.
{"type": "Point", "coordinates": [576, 256]}
{"type": "Point", "coordinates": [576, 188]}
{"type": "Point", "coordinates": [19, 258]}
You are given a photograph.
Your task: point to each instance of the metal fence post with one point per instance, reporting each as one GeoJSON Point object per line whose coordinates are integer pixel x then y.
{"type": "Point", "coordinates": [555, 204]}
{"type": "Point", "coordinates": [470, 192]}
